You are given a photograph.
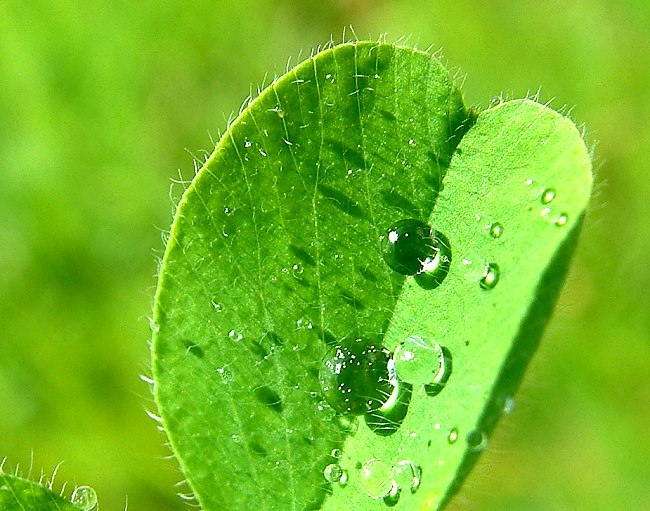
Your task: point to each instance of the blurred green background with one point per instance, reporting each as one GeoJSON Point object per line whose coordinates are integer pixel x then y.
{"type": "Point", "coordinates": [103, 103]}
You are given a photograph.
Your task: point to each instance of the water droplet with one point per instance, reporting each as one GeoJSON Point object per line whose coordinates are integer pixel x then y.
{"type": "Point", "coordinates": [496, 230]}
{"type": "Point", "coordinates": [418, 360]}
{"type": "Point", "coordinates": [411, 142]}
{"type": "Point", "coordinates": [354, 377]}
{"type": "Point", "coordinates": [411, 247]}
{"type": "Point", "coordinates": [235, 336]}
{"type": "Point", "coordinates": [377, 478]}
{"type": "Point", "coordinates": [217, 306]}
{"type": "Point", "coordinates": [336, 453]}
{"type": "Point", "coordinates": [440, 381]}
{"type": "Point", "coordinates": [84, 497]}
{"type": "Point", "coordinates": [477, 441]}
{"type": "Point", "coordinates": [247, 143]}
{"type": "Point", "coordinates": [491, 278]}
{"type": "Point", "coordinates": [262, 153]}
{"type": "Point", "coordinates": [548, 195]}
{"type": "Point", "coordinates": [562, 219]}
{"type": "Point", "coordinates": [407, 475]}
{"type": "Point", "coordinates": [296, 269]}
{"type": "Point", "coordinates": [452, 436]}
{"type": "Point", "coordinates": [333, 473]}
{"type": "Point", "coordinates": [228, 211]}
{"type": "Point", "coordinates": [496, 101]}
{"type": "Point", "coordinates": [529, 181]}
{"type": "Point", "coordinates": [235, 438]}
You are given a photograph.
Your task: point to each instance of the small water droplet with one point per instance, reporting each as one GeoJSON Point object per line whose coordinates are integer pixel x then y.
{"type": "Point", "coordinates": [235, 438]}
{"type": "Point", "coordinates": [228, 211]}
{"type": "Point", "coordinates": [562, 219]}
{"type": "Point", "coordinates": [84, 497]}
{"type": "Point", "coordinates": [477, 441]}
{"type": "Point", "coordinates": [376, 478]}
{"type": "Point", "coordinates": [411, 142]}
{"type": "Point", "coordinates": [235, 336]}
{"type": "Point", "coordinates": [333, 473]}
{"type": "Point", "coordinates": [452, 436]}
{"type": "Point", "coordinates": [262, 152]}
{"type": "Point", "coordinates": [496, 101]}
{"type": "Point", "coordinates": [407, 475]}
{"type": "Point", "coordinates": [496, 230]}
{"type": "Point", "coordinates": [491, 278]}
{"type": "Point", "coordinates": [217, 306]}
{"type": "Point", "coordinates": [548, 195]}
{"type": "Point", "coordinates": [336, 453]}
{"type": "Point", "coordinates": [247, 143]}
{"type": "Point", "coordinates": [296, 269]}
{"type": "Point", "coordinates": [354, 377]}
{"type": "Point", "coordinates": [418, 360]}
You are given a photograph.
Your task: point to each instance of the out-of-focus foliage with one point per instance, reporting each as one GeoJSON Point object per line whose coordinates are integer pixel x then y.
{"type": "Point", "coordinates": [99, 102]}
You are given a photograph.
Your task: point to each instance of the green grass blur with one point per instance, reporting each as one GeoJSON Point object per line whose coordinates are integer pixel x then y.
{"type": "Point", "coordinates": [103, 103]}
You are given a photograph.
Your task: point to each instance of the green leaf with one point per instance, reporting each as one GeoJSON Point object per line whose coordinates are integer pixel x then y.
{"type": "Point", "coordinates": [275, 257]}
{"type": "Point", "coordinates": [18, 494]}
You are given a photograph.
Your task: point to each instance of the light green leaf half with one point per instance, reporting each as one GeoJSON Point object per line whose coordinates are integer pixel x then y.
{"type": "Point", "coordinates": [18, 494]}
{"type": "Point", "coordinates": [275, 255]}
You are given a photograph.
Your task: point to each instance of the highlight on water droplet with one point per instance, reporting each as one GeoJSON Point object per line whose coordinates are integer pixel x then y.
{"type": "Point", "coordinates": [412, 247]}
{"type": "Point", "coordinates": [548, 195]}
{"type": "Point", "coordinates": [84, 497]}
{"type": "Point", "coordinates": [491, 278]}
{"type": "Point", "coordinates": [354, 377]}
{"type": "Point", "coordinates": [418, 360]}
{"type": "Point", "coordinates": [496, 230]}
{"type": "Point", "coordinates": [407, 475]}
{"type": "Point", "coordinates": [452, 436]}
{"type": "Point", "coordinates": [477, 440]}
{"type": "Point", "coordinates": [377, 478]}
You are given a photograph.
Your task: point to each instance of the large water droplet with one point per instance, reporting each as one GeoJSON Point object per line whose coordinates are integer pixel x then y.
{"type": "Point", "coordinates": [491, 278]}
{"type": "Point", "coordinates": [377, 478]}
{"type": "Point", "coordinates": [407, 475]}
{"type": "Point", "coordinates": [548, 195]}
{"type": "Point", "coordinates": [508, 405]}
{"type": "Point", "coordinates": [418, 360]}
{"type": "Point", "coordinates": [354, 377]}
{"type": "Point", "coordinates": [84, 497]}
{"type": "Point", "coordinates": [412, 247]}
